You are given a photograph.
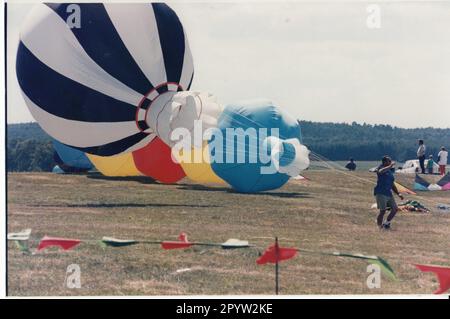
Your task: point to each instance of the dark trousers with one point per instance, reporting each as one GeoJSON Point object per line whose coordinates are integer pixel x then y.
{"type": "Point", "coordinates": [422, 163]}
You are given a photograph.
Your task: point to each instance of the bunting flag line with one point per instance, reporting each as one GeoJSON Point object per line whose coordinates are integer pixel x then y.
{"type": "Point", "coordinates": [182, 242]}
{"type": "Point", "coordinates": [21, 240]}
{"type": "Point", "coordinates": [64, 243]}
{"type": "Point", "coordinates": [269, 256]}
{"type": "Point", "coordinates": [442, 274]}
{"type": "Point", "coordinates": [272, 254]}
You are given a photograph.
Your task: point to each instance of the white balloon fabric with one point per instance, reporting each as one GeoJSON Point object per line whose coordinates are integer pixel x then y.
{"type": "Point", "coordinates": [181, 110]}
{"type": "Point", "coordinates": [288, 156]}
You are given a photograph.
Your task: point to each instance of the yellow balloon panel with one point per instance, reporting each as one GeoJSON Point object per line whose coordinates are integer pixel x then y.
{"type": "Point", "coordinates": [119, 165]}
{"type": "Point", "coordinates": [196, 168]}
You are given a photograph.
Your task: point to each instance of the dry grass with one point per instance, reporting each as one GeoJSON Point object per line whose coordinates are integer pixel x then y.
{"type": "Point", "coordinates": [330, 212]}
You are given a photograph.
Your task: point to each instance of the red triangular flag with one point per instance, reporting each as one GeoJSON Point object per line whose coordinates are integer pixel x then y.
{"type": "Point", "coordinates": [182, 243]}
{"type": "Point", "coordinates": [183, 237]}
{"type": "Point", "coordinates": [442, 274]}
{"type": "Point", "coordinates": [64, 243]}
{"type": "Point", "coordinates": [269, 255]}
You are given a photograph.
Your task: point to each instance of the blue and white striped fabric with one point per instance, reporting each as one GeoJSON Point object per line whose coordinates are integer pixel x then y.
{"type": "Point", "coordinates": [91, 87]}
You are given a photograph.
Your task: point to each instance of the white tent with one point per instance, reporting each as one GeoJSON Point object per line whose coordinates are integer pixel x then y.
{"type": "Point", "coordinates": [413, 166]}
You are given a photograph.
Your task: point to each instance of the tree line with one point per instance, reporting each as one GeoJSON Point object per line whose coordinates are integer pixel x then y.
{"type": "Point", "coordinates": [365, 142]}
{"type": "Point", "coordinates": [29, 148]}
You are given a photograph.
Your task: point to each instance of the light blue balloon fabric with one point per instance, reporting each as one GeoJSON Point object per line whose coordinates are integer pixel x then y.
{"type": "Point", "coordinates": [71, 156]}
{"type": "Point", "coordinates": [247, 176]}
{"type": "Point", "coordinates": [57, 170]}
{"type": "Point", "coordinates": [420, 187]}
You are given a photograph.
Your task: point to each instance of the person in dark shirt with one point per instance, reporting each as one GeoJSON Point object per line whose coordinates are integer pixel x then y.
{"type": "Point", "coordinates": [383, 194]}
{"type": "Point", "coordinates": [351, 165]}
{"type": "Point", "coordinates": [421, 155]}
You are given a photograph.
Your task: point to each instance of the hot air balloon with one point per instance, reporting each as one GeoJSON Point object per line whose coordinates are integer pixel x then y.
{"type": "Point", "coordinates": [115, 87]}
{"type": "Point", "coordinates": [91, 87]}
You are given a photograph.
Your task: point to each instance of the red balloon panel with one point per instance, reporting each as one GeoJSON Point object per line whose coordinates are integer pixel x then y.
{"type": "Point", "coordinates": [155, 161]}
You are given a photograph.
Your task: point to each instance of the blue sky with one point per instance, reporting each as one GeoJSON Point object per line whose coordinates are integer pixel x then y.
{"type": "Point", "coordinates": [317, 60]}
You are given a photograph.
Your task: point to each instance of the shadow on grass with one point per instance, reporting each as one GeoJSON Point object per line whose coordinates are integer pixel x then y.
{"type": "Point", "coordinates": [139, 179]}
{"type": "Point", "coordinates": [126, 205]}
{"type": "Point", "coordinates": [197, 187]}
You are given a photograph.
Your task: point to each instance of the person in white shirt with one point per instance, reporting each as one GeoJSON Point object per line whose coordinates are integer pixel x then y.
{"type": "Point", "coordinates": [421, 155]}
{"type": "Point", "coordinates": [442, 160]}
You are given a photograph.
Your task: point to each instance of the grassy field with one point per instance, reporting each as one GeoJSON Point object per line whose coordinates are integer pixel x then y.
{"type": "Point", "coordinates": [330, 212]}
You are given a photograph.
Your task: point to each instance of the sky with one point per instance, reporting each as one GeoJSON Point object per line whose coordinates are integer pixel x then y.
{"type": "Point", "coordinates": [318, 60]}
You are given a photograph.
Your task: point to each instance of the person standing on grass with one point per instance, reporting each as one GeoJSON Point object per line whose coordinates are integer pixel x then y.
{"type": "Point", "coordinates": [351, 165]}
{"type": "Point", "coordinates": [442, 160]}
{"type": "Point", "coordinates": [421, 155]}
{"type": "Point", "coordinates": [430, 164]}
{"type": "Point", "coordinates": [383, 193]}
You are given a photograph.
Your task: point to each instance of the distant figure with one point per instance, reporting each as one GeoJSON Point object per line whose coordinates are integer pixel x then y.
{"type": "Point", "coordinates": [351, 166]}
{"type": "Point", "coordinates": [430, 164]}
{"type": "Point", "coordinates": [421, 155]}
{"type": "Point", "coordinates": [442, 160]}
{"type": "Point", "coordinates": [383, 194]}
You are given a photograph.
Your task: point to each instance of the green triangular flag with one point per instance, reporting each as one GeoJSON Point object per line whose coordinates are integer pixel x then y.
{"type": "Point", "coordinates": [385, 267]}
{"type": "Point", "coordinates": [22, 245]}
{"type": "Point", "coordinates": [114, 242]}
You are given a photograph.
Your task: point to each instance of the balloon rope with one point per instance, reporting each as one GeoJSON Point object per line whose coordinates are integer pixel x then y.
{"type": "Point", "coordinates": [313, 155]}
{"type": "Point", "coordinates": [345, 173]}
{"type": "Point", "coordinates": [321, 158]}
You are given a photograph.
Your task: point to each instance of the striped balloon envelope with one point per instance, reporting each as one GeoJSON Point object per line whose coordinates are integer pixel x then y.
{"type": "Point", "coordinates": [90, 85]}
